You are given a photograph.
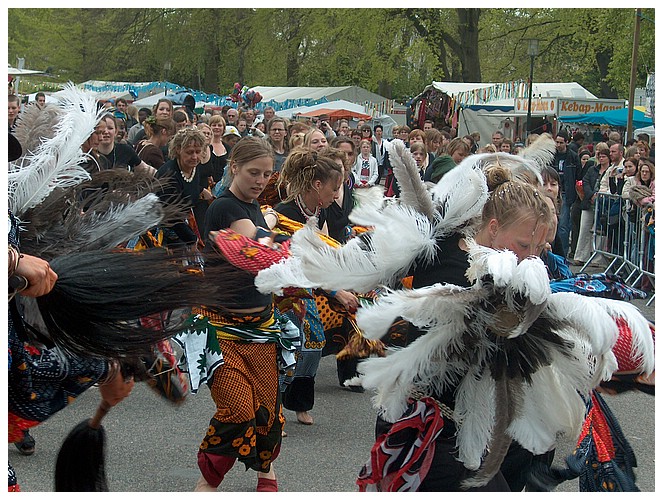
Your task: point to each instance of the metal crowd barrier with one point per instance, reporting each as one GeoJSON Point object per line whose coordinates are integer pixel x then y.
{"type": "Point", "coordinates": [624, 240]}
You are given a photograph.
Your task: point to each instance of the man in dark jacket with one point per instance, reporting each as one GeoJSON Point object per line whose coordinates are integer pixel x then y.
{"type": "Point", "coordinates": [567, 164]}
{"type": "Point", "coordinates": [379, 150]}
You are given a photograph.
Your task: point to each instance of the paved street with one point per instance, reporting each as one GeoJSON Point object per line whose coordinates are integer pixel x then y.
{"type": "Point", "coordinates": [152, 444]}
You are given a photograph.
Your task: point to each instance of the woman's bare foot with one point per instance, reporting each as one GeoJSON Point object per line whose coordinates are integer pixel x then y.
{"type": "Point", "coordinates": [203, 485]}
{"type": "Point", "coordinates": [303, 417]}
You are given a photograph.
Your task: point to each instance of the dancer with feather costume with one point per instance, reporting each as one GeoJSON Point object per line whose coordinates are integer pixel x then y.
{"type": "Point", "coordinates": [82, 324]}
{"type": "Point", "coordinates": [496, 357]}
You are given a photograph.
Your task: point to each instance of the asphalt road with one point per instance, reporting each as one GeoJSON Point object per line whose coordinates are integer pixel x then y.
{"type": "Point", "coordinates": [152, 444]}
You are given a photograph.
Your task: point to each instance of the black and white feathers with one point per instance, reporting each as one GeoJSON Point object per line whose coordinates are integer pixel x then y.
{"type": "Point", "coordinates": [505, 335]}
{"type": "Point", "coordinates": [56, 162]}
{"type": "Point", "coordinates": [402, 234]}
{"type": "Point", "coordinates": [101, 213]}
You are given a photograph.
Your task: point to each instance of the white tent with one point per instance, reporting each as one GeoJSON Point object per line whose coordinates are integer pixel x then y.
{"type": "Point", "coordinates": [386, 121]}
{"type": "Point", "coordinates": [647, 130]}
{"type": "Point", "coordinates": [571, 90]}
{"type": "Point", "coordinates": [49, 98]}
{"type": "Point", "coordinates": [487, 107]}
{"type": "Point", "coordinates": [349, 93]}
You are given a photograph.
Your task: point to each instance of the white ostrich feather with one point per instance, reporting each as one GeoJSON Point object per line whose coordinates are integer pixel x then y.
{"type": "Point", "coordinates": [285, 273]}
{"type": "Point", "coordinates": [440, 309]}
{"type": "Point", "coordinates": [370, 198]}
{"type": "Point", "coordinates": [588, 319]}
{"type": "Point", "coordinates": [460, 195]}
{"type": "Point", "coordinates": [414, 192]}
{"type": "Point", "coordinates": [424, 307]}
{"type": "Point", "coordinates": [531, 280]}
{"type": "Point", "coordinates": [549, 409]}
{"type": "Point", "coordinates": [365, 262]}
{"type": "Point", "coordinates": [393, 377]}
{"type": "Point", "coordinates": [56, 161]}
{"type": "Point", "coordinates": [474, 414]}
{"type": "Point", "coordinates": [484, 261]}
{"type": "Point", "coordinates": [540, 153]}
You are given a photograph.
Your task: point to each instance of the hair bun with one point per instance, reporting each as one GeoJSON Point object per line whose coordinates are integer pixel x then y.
{"type": "Point", "coordinates": [496, 175]}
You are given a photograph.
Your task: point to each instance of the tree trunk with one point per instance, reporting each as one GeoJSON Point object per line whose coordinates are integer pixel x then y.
{"type": "Point", "coordinates": [603, 59]}
{"type": "Point", "coordinates": [468, 35]}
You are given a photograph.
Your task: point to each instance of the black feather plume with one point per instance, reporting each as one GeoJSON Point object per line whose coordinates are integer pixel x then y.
{"type": "Point", "coordinates": [99, 297]}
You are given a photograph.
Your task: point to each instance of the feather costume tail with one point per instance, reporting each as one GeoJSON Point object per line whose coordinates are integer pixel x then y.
{"type": "Point", "coordinates": [110, 209]}
{"type": "Point", "coordinates": [99, 297]}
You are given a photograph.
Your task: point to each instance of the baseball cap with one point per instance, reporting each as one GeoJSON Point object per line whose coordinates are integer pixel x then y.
{"type": "Point", "coordinates": [230, 130]}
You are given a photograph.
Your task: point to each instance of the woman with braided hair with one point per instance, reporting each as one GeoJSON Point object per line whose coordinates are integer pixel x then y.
{"type": "Point", "coordinates": [159, 131]}
{"type": "Point", "coordinates": [312, 182]}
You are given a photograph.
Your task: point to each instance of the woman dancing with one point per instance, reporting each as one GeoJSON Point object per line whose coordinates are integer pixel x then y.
{"type": "Point", "coordinates": [313, 184]}
{"type": "Point", "coordinates": [248, 421]}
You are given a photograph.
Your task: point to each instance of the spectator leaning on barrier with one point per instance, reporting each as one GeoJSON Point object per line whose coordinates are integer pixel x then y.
{"type": "Point", "coordinates": [590, 184]}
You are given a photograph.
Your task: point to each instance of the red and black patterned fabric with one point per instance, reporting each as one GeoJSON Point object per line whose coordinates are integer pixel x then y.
{"type": "Point", "coordinates": [401, 458]}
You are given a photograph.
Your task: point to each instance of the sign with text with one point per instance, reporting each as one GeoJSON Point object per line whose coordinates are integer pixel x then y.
{"type": "Point", "coordinates": [540, 106]}
{"type": "Point", "coordinates": [567, 107]}
{"type": "Point", "coordinates": [570, 107]}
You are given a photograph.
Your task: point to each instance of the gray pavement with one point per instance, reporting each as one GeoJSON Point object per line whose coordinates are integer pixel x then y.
{"type": "Point", "coordinates": [152, 444]}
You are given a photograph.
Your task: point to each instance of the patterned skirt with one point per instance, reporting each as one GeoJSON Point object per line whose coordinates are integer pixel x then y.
{"type": "Point", "coordinates": [248, 420]}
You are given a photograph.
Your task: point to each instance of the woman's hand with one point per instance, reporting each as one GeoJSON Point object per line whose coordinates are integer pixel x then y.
{"type": "Point", "coordinates": [41, 278]}
{"type": "Point", "coordinates": [206, 195]}
{"type": "Point", "coordinates": [116, 389]}
{"type": "Point", "coordinates": [347, 300]}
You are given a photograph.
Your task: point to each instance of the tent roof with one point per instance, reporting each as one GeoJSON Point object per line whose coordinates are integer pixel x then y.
{"type": "Point", "coordinates": [569, 90]}
{"type": "Point", "coordinates": [338, 104]}
{"type": "Point", "coordinates": [615, 118]}
{"type": "Point", "coordinates": [20, 72]}
{"type": "Point", "coordinates": [349, 93]}
{"type": "Point", "coordinates": [337, 113]}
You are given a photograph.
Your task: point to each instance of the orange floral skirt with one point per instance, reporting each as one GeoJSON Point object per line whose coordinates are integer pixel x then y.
{"type": "Point", "coordinates": [249, 418]}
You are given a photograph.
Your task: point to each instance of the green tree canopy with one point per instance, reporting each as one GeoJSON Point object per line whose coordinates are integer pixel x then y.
{"type": "Point", "coordinates": [394, 52]}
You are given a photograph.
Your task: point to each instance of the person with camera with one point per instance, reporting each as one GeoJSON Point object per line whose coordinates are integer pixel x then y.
{"type": "Point", "coordinates": [325, 127]}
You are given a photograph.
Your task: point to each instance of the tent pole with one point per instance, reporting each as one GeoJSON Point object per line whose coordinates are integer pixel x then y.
{"type": "Point", "coordinates": [634, 74]}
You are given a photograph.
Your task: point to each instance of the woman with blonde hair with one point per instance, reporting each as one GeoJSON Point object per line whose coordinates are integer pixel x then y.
{"type": "Point", "coordinates": [183, 183]}
{"type": "Point", "coordinates": [315, 139]}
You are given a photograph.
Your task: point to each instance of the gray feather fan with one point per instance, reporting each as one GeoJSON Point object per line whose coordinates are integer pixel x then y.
{"type": "Point", "coordinates": [413, 190]}
{"type": "Point", "coordinates": [35, 125]}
